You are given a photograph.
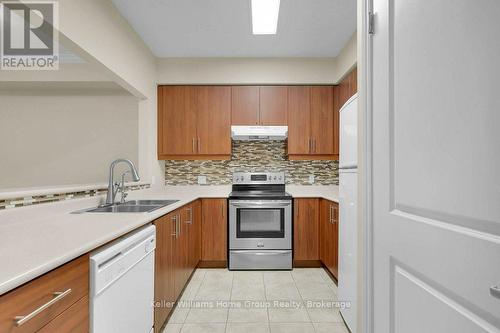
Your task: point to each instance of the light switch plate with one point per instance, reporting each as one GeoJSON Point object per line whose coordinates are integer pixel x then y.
{"type": "Point", "coordinates": [311, 179]}
{"type": "Point", "coordinates": [202, 180]}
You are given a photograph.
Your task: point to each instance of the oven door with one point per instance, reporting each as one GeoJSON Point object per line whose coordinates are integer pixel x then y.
{"type": "Point", "coordinates": [260, 224]}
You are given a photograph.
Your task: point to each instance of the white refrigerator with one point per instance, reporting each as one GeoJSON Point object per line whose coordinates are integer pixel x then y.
{"type": "Point", "coordinates": [348, 181]}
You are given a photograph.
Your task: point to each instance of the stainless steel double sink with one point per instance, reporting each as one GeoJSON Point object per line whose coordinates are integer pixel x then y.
{"type": "Point", "coordinates": [132, 206]}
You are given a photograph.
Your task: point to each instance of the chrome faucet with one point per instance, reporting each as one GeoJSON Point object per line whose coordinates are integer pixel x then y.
{"type": "Point", "coordinates": [113, 187]}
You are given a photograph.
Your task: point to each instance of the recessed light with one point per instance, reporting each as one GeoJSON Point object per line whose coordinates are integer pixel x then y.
{"type": "Point", "coordinates": [265, 16]}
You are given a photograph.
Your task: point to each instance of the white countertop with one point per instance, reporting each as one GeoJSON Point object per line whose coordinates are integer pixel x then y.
{"type": "Point", "coordinates": [39, 238]}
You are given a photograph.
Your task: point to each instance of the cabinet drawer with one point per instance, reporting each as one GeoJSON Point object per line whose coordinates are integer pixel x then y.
{"type": "Point", "coordinates": [37, 300]}
{"type": "Point", "coordinates": [73, 320]}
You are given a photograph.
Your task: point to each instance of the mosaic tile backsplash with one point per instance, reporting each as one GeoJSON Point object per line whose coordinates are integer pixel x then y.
{"type": "Point", "coordinates": [252, 156]}
{"type": "Point", "coordinates": [42, 199]}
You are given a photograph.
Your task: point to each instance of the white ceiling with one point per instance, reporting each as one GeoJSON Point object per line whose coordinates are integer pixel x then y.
{"type": "Point", "coordinates": [222, 28]}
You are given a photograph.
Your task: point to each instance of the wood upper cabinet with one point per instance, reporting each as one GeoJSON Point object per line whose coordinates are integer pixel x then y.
{"type": "Point", "coordinates": [346, 88]}
{"type": "Point", "coordinates": [71, 280]}
{"type": "Point", "coordinates": [322, 118]}
{"type": "Point", "coordinates": [328, 235]}
{"type": "Point", "coordinates": [245, 105]}
{"type": "Point", "coordinates": [254, 105]}
{"type": "Point", "coordinates": [273, 105]}
{"type": "Point", "coordinates": [306, 229]}
{"type": "Point", "coordinates": [176, 120]}
{"type": "Point", "coordinates": [336, 121]}
{"type": "Point", "coordinates": [311, 122]}
{"type": "Point", "coordinates": [194, 122]}
{"type": "Point", "coordinates": [214, 120]}
{"type": "Point", "coordinates": [299, 120]}
{"type": "Point", "coordinates": [214, 230]}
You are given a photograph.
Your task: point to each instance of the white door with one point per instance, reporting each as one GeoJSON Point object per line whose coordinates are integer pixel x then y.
{"type": "Point", "coordinates": [436, 166]}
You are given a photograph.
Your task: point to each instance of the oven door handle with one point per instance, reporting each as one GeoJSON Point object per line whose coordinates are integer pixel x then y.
{"type": "Point", "coordinates": [263, 253]}
{"type": "Point", "coordinates": [250, 204]}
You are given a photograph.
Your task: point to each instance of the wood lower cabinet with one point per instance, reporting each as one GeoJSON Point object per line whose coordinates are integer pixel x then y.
{"type": "Point", "coordinates": [306, 230]}
{"type": "Point", "coordinates": [328, 235]}
{"type": "Point", "coordinates": [164, 269]}
{"type": "Point", "coordinates": [75, 319]}
{"type": "Point", "coordinates": [178, 251]}
{"type": "Point", "coordinates": [214, 230]}
{"type": "Point", "coordinates": [71, 280]}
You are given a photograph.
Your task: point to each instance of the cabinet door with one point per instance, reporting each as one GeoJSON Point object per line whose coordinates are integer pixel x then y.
{"type": "Point", "coordinates": [325, 233]}
{"type": "Point", "coordinates": [334, 269]}
{"type": "Point", "coordinates": [322, 120]}
{"type": "Point", "coordinates": [164, 269]}
{"type": "Point", "coordinates": [214, 230]}
{"type": "Point", "coordinates": [344, 91]}
{"type": "Point", "coordinates": [244, 105]}
{"type": "Point", "coordinates": [180, 253]}
{"type": "Point", "coordinates": [299, 117]}
{"type": "Point", "coordinates": [273, 105]}
{"type": "Point", "coordinates": [192, 218]}
{"type": "Point", "coordinates": [306, 229]}
{"type": "Point", "coordinates": [214, 120]}
{"type": "Point", "coordinates": [176, 121]}
{"type": "Point", "coordinates": [336, 120]}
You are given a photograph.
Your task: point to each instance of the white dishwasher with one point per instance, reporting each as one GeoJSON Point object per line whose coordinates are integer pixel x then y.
{"type": "Point", "coordinates": [122, 284]}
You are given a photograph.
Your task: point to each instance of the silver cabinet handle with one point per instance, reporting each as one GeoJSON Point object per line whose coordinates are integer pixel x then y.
{"type": "Point", "coordinates": [495, 291]}
{"type": "Point", "coordinates": [178, 225]}
{"type": "Point", "coordinates": [174, 219]}
{"type": "Point", "coordinates": [198, 145]}
{"type": "Point", "coordinates": [331, 214]}
{"type": "Point", "coordinates": [19, 320]}
{"type": "Point", "coordinates": [190, 209]}
{"type": "Point", "coordinates": [314, 145]}
{"type": "Point", "coordinates": [310, 145]}
{"type": "Point", "coordinates": [193, 146]}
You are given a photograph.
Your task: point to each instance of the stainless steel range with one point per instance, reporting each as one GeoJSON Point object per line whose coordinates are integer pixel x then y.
{"type": "Point", "coordinates": [260, 222]}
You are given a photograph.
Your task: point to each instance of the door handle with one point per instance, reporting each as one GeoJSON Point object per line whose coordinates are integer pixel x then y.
{"type": "Point", "coordinates": [198, 145]}
{"type": "Point", "coordinates": [314, 145]}
{"type": "Point", "coordinates": [495, 291]}
{"type": "Point", "coordinates": [193, 145]}
{"type": "Point", "coordinates": [331, 213]}
{"type": "Point", "coordinates": [310, 145]}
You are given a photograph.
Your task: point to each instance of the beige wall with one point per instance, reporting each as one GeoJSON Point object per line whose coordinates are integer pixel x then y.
{"type": "Point", "coordinates": [245, 70]}
{"type": "Point", "coordinates": [347, 58]}
{"type": "Point", "coordinates": [257, 70]}
{"type": "Point", "coordinates": [110, 43]}
{"type": "Point", "coordinates": [50, 140]}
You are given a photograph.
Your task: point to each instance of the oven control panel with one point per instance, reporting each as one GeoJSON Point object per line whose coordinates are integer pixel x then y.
{"type": "Point", "coordinates": [259, 178]}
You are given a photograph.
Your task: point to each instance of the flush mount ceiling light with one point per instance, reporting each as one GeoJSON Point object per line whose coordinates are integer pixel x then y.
{"type": "Point", "coordinates": [265, 16]}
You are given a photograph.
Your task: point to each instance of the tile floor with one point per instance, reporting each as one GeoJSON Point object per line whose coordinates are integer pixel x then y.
{"type": "Point", "coordinates": [218, 300]}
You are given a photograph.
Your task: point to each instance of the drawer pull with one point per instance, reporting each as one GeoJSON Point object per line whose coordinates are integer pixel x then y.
{"type": "Point", "coordinates": [19, 320]}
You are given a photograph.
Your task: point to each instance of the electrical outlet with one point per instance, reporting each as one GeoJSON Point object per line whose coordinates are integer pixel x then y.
{"type": "Point", "coordinates": [311, 179]}
{"type": "Point", "coordinates": [202, 180]}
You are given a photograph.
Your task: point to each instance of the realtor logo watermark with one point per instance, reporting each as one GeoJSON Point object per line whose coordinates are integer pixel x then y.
{"type": "Point", "coordinates": [29, 35]}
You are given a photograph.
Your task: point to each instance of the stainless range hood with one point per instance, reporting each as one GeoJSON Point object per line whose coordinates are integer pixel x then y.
{"type": "Point", "coordinates": [249, 133]}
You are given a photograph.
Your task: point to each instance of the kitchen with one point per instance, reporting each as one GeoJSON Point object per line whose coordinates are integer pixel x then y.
{"type": "Point", "coordinates": [211, 167]}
